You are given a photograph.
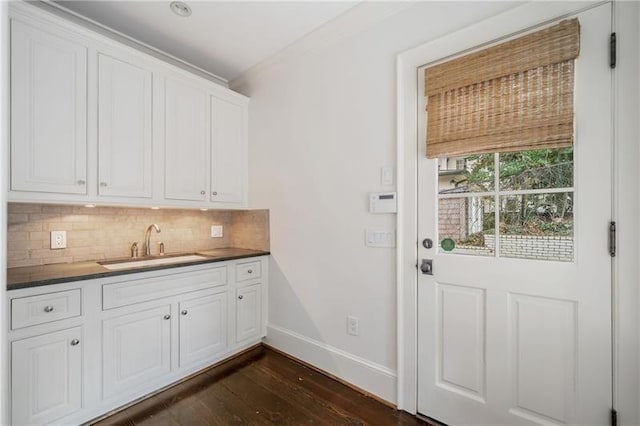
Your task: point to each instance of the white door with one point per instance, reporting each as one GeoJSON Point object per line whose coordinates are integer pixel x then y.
{"type": "Point", "coordinates": [186, 141]}
{"type": "Point", "coordinates": [518, 331]}
{"type": "Point", "coordinates": [124, 129]}
{"type": "Point", "coordinates": [48, 112]}
{"type": "Point", "coordinates": [228, 150]}
{"type": "Point", "coordinates": [203, 328]}
{"type": "Point", "coordinates": [46, 373]}
{"type": "Point", "coordinates": [248, 312]}
{"type": "Point", "coordinates": [136, 349]}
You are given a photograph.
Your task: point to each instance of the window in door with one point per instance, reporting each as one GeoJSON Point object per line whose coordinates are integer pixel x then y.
{"type": "Point", "coordinates": [500, 124]}
{"type": "Point", "coordinates": [534, 194]}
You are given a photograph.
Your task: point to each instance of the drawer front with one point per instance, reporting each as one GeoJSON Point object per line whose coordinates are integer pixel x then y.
{"type": "Point", "coordinates": [33, 310]}
{"type": "Point", "coordinates": [126, 293]}
{"type": "Point", "coordinates": [248, 270]}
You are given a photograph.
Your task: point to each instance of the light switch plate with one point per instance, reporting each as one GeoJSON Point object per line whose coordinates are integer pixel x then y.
{"type": "Point", "coordinates": [58, 240]}
{"type": "Point", "coordinates": [380, 238]}
{"type": "Point", "coordinates": [386, 175]}
{"type": "Point", "coordinates": [216, 231]}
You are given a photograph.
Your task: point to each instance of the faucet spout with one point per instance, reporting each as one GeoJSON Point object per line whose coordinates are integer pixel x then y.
{"type": "Point", "coordinates": [147, 237]}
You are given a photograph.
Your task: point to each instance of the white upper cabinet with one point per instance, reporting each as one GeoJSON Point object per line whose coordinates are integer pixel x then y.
{"type": "Point", "coordinates": [186, 140]}
{"type": "Point", "coordinates": [97, 121]}
{"type": "Point", "coordinates": [48, 112]}
{"type": "Point", "coordinates": [125, 144]}
{"type": "Point", "coordinates": [228, 150]}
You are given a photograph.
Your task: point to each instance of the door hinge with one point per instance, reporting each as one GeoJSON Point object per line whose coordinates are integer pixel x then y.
{"type": "Point", "coordinates": [612, 50]}
{"type": "Point", "coordinates": [614, 417]}
{"type": "Point", "coordinates": [612, 239]}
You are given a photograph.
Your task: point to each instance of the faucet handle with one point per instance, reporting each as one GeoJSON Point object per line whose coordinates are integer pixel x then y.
{"type": "Point", "coordinates": [161, 248]}
{"type": "Point", "coordinates": [134, 249]}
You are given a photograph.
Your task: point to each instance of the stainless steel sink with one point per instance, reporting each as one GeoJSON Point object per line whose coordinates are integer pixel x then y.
{"type": "Point", "coordinates": [115, 265]}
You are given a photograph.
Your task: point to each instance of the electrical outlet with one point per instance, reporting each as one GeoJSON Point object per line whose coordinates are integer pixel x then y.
{"type": "Point", "coordinates": [58, 240]}
{"type": "Point", "coordinates": [216, 231]}
{"type": "Point", "coordinates": [352, 325]}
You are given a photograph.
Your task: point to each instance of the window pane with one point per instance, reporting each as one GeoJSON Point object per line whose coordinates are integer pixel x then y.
{"type": "Point", "coordinates": [466, 225]}
{"type": "Point", "coordinates": [466, 174]}
{"type": "Point", "coordinates": [538, 226]}
{"type": "Point", "coordinates": [542, 169]}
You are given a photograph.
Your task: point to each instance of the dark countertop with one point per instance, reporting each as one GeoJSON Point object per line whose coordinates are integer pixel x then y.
{"type": "Point", "coordinates": [35, 276]}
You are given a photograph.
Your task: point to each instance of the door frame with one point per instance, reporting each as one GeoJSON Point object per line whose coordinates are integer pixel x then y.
{"type": "Point", "coordinates": [507, 24]}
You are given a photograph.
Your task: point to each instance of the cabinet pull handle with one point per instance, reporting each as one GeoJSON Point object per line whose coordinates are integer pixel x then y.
{"type": "Point", "coordinates": [167, 317]}
{"type": "Point", "coordinates": [103, 184]}
{"type": "Point", "coordinates": [74, 342]}
{"type": "Point", "coordinates": [214, 193]}
{"type": "Point", "coordinates": [202, 192]}
{"type": "Point", "coordinates": [249, 271]}
{"type": "Point", "coordinates": [184, 312]}
{"type": "Point", "coordinates": [48, 308]}
{"type": "Point", "coordinates": [240, 297]}
{"type": "Point", "coordinates": [81, 182]}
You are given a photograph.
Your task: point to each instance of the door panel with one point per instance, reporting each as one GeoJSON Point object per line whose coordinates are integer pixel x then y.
{"type": "Point", "coordinates": [46, 377]}
{"type": "Point", "coordinates": [186, 140]}
{"type": "Point", "coordinates": [136, 349]}
{"type": "Point", "coordinates": [516, 329]}
{"type": "Point", "coordinates": [203, 328]}
{"type": "Point", "coordinates": [48, 112]}
{"type": "Point", "coordinates": [124, 129]}
{"type": "Point", "coordinates": [228, 151]}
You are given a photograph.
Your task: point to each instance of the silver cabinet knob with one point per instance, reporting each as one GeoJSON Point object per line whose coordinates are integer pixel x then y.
{"type": "Point", "coordinates": [74, 342]}
{"type": "Point", "coordinates": [214, 193]}
{"type": "Point", "coordinates": [48, 308]}
{"type": "Point", "coordinates": [249, 271]}
{"type": "Point", "coordinates": [167, 317]}
{"type": "Point", "coordinates": [184, 312]}
{"type": "Point", "coordinates": [240, 297]}
{"type": "Point", "coordinates": [202, 192]}
{"type": "Point", "coordinates": [81, 182]}
{"type": "Point", "coordinates": [103, 184]}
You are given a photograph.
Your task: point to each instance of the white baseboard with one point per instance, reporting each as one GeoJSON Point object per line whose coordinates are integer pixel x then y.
{"type": "Point", "coordinates": [371, 377]}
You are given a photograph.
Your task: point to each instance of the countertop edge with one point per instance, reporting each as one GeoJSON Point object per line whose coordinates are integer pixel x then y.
{"type": "Point", "coordinates": [112, 273]}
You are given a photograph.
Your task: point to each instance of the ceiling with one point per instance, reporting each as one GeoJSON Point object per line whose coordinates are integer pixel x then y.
{"type": "Point", "coordinates": [225, 38]}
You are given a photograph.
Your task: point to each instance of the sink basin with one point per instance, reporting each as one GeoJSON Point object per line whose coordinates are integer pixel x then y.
{"type": "Point", "coordinates": [115, 265]}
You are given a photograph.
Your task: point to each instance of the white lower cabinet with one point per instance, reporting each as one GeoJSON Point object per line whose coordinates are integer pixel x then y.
{"type": "Point", "coordinates": [119, 338]}
{"type": "Point", "coordinates": [46, 377]}
{"type": "Point", "coordinates": [248, 312]}
{"type": "Point", "coordinates": [136, 349]}
{"type": "Point", "coordinates": [203, 328]}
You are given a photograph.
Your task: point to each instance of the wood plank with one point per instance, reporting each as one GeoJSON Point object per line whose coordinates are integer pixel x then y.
{"type": "Point", "coordinates": [260, 387]}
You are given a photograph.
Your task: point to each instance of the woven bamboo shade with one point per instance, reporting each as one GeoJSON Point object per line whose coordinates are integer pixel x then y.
{"type": "Point", "coordinates": [515, 96]}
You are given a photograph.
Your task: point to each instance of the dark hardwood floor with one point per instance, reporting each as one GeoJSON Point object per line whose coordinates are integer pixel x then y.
{"type": "Point", "coordinates": [260, 387]}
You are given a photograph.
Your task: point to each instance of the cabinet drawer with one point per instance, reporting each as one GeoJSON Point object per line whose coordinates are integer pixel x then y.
{"type": "Point", "coordinates": [32, 310]}
{"type": "Point", "coordinates": [146, 289]}
{"type": "Point", "coordinates": [248, 270]}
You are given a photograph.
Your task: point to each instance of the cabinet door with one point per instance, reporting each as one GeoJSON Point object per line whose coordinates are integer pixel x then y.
{"type": "Point", "coordinates": [46, 377]}
{"type": "Point", "coordinates": [186, 141]}
{"type": "Point", "coordinates": [248, 312]}
{"type": "Point", "coordinates": [228, 150]}
{"type": "Point", "coordinates": [203, 328]}
{"type": "Point", "coordinates": [48, 112]}
{"type": "Point", "coordinates": [136, 349]}
{"type": "Point", "coordinates": [124, 129]}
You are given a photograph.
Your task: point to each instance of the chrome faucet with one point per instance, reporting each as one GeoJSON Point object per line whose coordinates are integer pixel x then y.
{"type": "Point", "coordinates": [147, 237]}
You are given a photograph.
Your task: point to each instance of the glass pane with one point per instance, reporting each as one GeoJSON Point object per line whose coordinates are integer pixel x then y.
{"type": "Point", "coordinates": [538, 226]}
{"type": "Point", "coordinates": [466, 225]}
{"type": "Point", "coordinates": [541, 169]}
{"type": "Point", "coordinates": [474, 173]}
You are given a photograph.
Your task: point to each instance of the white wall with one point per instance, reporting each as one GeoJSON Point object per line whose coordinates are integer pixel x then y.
{"type": "Point", "coordinates": [321, 126]}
